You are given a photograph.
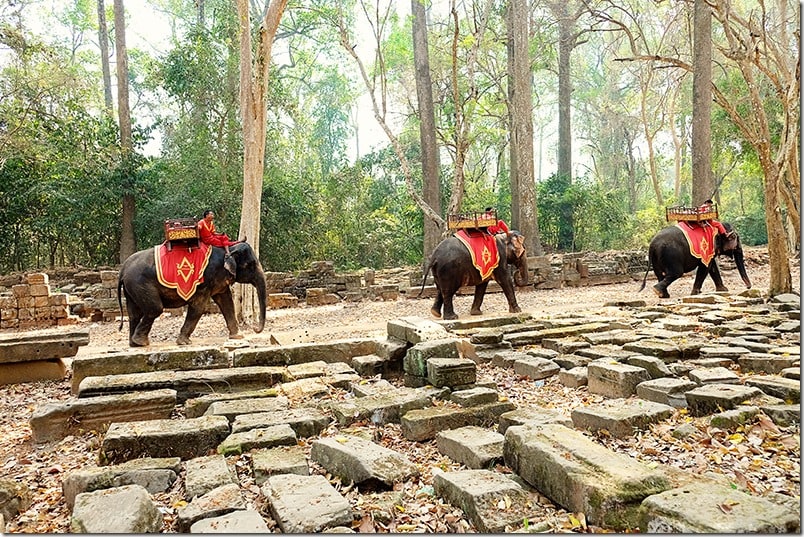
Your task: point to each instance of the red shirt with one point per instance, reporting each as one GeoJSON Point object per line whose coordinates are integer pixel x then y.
{"type": "Point", "coordinates": [207, 232]}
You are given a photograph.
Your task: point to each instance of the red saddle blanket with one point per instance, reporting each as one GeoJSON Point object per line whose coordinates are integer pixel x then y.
{"type": "Point", "coordinates": [701, 239]}
{"type": "Point", "coordinates": [483, 249]}
{"type": "Point", "coordinates": [181, 268]}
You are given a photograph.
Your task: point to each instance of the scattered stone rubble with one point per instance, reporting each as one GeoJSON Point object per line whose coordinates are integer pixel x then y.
{"type": "Point", "coordinates": [730, 358]}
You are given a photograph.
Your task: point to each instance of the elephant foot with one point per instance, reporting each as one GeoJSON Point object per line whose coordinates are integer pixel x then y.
{"type": "Point", "coordinates": [450, 316]}
{"type": "Point", "coordinates": [436, 313]}
{"type": "Point", "coordinates": [695, 291]}
{"type": "Point", "coordinates": [515, 309]}
{"type": "Point", "coordinates": [183, 340]}
{"type": "Point", "coordinates": [138, 342]}
{"type": "Point", "coordinates": [722, 288]}
{"type": "Point", "coordinates": [235, 336]}
{"type": "Point", "coordinates": [661, 293]}
{"type": "Point", "coordinates": [475, 312]}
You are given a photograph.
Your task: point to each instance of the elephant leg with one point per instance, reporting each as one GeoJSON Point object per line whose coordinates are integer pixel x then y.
{"type": "Point", "coordinates": [195, 309]}
{"type": "Point", "coordinates": [669, 277]}
{"type": "Point", "coordinates": [141, 319]}
{"type": "Point", "coordinates": [700, 276]}
{"type": "Point", "coordinates": [143, 328]}
{"type": "Point", "coordinates": [714, 272]}
{"type": "Point", "coordinates": [480, 293]}
{"type": "Point", "coordinates": [225, 303]}
{"type": "Point", "coordinates": [449, 309]}
{"type": "Point", "coordinates": [439, 301]}
{"type": "Point", "coordinates": [507, 285]}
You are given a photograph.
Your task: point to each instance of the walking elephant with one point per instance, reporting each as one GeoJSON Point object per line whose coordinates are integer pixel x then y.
{"type": "Point", "coordinates": [146, 297]}
{"type": "Point", "coordinates": [452, 266]}
{"type": "Point", "coordinates": [669, 254]}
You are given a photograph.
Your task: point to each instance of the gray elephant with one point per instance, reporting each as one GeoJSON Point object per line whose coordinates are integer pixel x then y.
{"type": "Point", "coordinates": [451, 263]}
{"type": "Point", "coordinates": [146, 297]}
{"type": "Point", "coordinates": [669, 256]}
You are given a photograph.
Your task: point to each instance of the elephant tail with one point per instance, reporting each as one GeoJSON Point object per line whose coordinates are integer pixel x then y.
{"type": "Point", "coordinates": [424, 279]}
{"type": "Point", "coordinates": [120, 302]}
{"type": "Point", "coordinates": [645, 277]}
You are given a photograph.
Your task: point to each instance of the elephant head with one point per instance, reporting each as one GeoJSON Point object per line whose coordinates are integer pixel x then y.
{"type": "Point", "coordinates": [516, 256]}
{"type": "Point", "coordinates": [732, 247]}
{"type": "Point", "coordinates": [248, 270]}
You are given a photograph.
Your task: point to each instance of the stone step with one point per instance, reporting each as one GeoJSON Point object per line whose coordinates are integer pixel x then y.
{"type": "Point", "coordinates": [188, 384]}
{"type": "Point", "coordinates": [185, 439]}
{"type": "Point", "coordinates": [119, 362]}
{"type": "Point", "coordinates": [55, 421]}
{"type": "Point", "coordinates": [41, 345]}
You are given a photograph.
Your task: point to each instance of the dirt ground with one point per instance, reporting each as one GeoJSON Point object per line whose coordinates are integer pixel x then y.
{"type": "Point", "coordinates": [369, 318]}
{"type": "Point", "coordinates": [775, 468]}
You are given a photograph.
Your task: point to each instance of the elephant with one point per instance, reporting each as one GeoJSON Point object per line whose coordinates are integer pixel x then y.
{"type": "Point", "coordinates": [146, 298]}
{"type": "Point", "coordinates": [669, 256]}
{"type": "Point", "coordinates": [452, 268]}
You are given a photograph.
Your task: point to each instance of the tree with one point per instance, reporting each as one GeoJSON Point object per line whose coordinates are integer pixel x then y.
{"type": "Point", "coordinates": [254, 67]}
{"type": "Point", "coordinates": [703, 184]}
{"type": "Point", "coordinates": [128, 241]}
{"type": "Point", "coordinates": [103, 43]}
{"type": "Point", "coordinates": [431, 185]}
{"type": "Point", "coordinates": [523, 182]}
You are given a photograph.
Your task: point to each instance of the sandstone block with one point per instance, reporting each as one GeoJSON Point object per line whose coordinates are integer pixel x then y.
{"type": "Point", "coordinates": [666, 390]}
{"type": "Point", "coordinates": [304, 421]}
{"type": "Point", "coordinates": [279, 460]}
{"type": "Point", "coordinates": [357, 460]}
{"type": "Point", "coordinates": [451, 371]}
{"type": "Point", "coordinates": [418, 425]}
{"type": "Point", "coordinates": [474, 447]}
{"type": "Point", "coordinates": [614, 380]}
{"type": "Point", "coordinates": [219, 501]}
{"type": "Point", "coordinates": [135, 511]}
{"type": "Point", "coordinates": [260, 438]}
{"type": "Point", "coordinates": [240, 522]}
{"type": "Point", "coordinates": [712, 398]}
{"type": "Point", "coordinates": [620, 417]}
{"type": "Point", "coordinates": [305, 504]}
{"type": "Point", "coordinates": [333, 351]}
{"type": "Point", "coordinates": [202, 474]}
{"type": "Point", "coordinates": [535, 368]}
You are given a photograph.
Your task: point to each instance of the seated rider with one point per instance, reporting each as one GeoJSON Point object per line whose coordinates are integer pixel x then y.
{"type": "Point", "coordinates": [206, 231]}
{"type": "Point", "coordinates": [499, 227]}
{"type": "Point", "coordinates": [706, 207]}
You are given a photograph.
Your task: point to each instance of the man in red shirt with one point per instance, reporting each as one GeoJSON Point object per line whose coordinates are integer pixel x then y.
{"type": "Point", "coordinates": [500, 227]}
{"type": "Point", "coordinates": [206, 231]}
{"type": "Point", "coordinates": [706, 207]}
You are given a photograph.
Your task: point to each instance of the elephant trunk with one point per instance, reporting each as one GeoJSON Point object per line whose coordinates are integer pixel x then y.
{"type": "Point", "coordinates": [739, 260]}
{"type": "Point", "coordinates": [521, 275]}
{"type": "Point", "coordinates": [260, 284]}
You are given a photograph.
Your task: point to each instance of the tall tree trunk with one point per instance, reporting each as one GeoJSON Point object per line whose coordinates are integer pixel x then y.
{"type": "Point", "coordinates": [103, 42]}
{"type": "Point", "coordinates": [128, 243]}
{"type": "Point", "coordinates": [565, 46]}
{"type": "Point", "coordinates": [431, 185]}
{"type": "Point", "coordinates": [512, 147]}
{"type": "Point", "coordinates": [254, 67]}
{"type": "Point", "coordinates": [522, 129]}
{"type": "Point", "coordinates": [703, 183]}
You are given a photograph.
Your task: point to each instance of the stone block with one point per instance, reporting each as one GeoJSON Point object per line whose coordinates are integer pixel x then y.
{"type": "Point", "coordinates": [278, 460]}
{"type": "Point", "coordinates": [331, 352]}
{"type": "Point", "coordinates": [713, 375]}
{"type": "Point", "coordinates": [667, 390]}
{"type": "Point", "coordinates": [451, 372]}
{"type": "Point", "coordinates": [381, 408]}
{"type": "Point", "coordinates": [532, 415]}
{"type": "Point", "coordinates": [304, 421]}
{"type": "Point", "coordinates": [419, 425]}
{"type": "Point", "coordinates": [415, 329]}
{"type": "Point", "coordinates": [232, 408]}
{"type": "Point", "coordinates": [41, 344]}
{"type": "Point", "coordinates": [240, 522]}
{"type": "Point", "coordinates": [357, 460]}
{"type": "Point", "coordinates": [134, 511]}
{"type": "Point", "coordinates": [535, 368]}
{"type": "Point", "coordinates": [415, 361]}
{"type": "Point", "coordinates": [665, 349]}
{"type": "Point", "coordinates": [731, 352]}
{"type": "Point", "coordinates": [474, 396]}
{"type": "Point", "coordinates": [717, 509]}
{"type": "Point", "coordinates": [620, 417]}
{"type": "Point", "coordinates": [197, 406]}
{"type": "Point", "coordinates": [614, 380]}
{"type": "Point", "coordinates": [581, 475]}
{"type": "Point", "coordinates": [712, 398]}
{"type": "Point", "coordinates": [764, 362]}
{"type": "Point", "coordinates": [472, 446]}
{"type": "Point", "coordinates": [305, 504]}
{"type": "Point", "coordinates": [185, 439]}
{"type": "Point", "coordinates": [789, 390]}
{"type": "Point", "coordinates": [203, 474]}
{"type": "Point", "coordinates": [479, 494]}
{"type": "Point", "coordinates": [260, 438]}
{"type": "Point", "coordinates": [19, 372]}
{"type": "Point", "coordinates": [218, 501]}
{"type": "Point", "coordinates": [574, 378]}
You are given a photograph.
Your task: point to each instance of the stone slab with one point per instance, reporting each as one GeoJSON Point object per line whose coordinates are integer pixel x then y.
{"type": "Point", "coordinates": [717, 509]}
{"type": "Point", "coordinates": [41, 344]}
{"type": "Point", "coordinates": [620, 417]}
{"type": "Point", "coordinates": [259, 438]}
{"type": "Point", "coordinates": [240, 522]}
{"type": "Point", "coordinates": [185, 439]}
{"type": "Point", "coordinates": [451, 372]}
{"type": "Point", "coordinates": [667, 390]}
{"type": "Point", "coordinates": [532, 415]}
{"type": "Point", "coordinates": [334, 351]}
{"type": "Point", "coordinates": [613, 379]}
{"type": "Point", "coordinates": [472, 446]}
{"type": "Point", "coordinates": [119, 362]}
{"type": "Point", "coordinates": [535, 368]}
{"type": "Point", "coordinates": [216, 502]}
{"type": "Point", "coordinates": [197, 406]}
{"type": "Point", "coordinates": [305, 421]}
{"type": "Point", "coordinates": [233, 408]}
{"type": "Point", "coordinates": [188, 384]}
{"type": "Point", "coordinates": [203, 474]}
{"type": "Point", "coordinates": [713, 398]}
{"type": "Point", "coordinates": [424, 424]}
{"type": "Point", "coordinates": [305, 504]}
{"type": "Point", "coordinates": [278, 460]}
{"type": "Point", "coordinates": [581, 475]}
{"type": "Point", "coordinates": [54, 421]}
{"type": "Point", "coordinates": [134, 511]}
{"type": "Point", "coordinates": [358, 460]}
{"type": "Point", "coordinates": [381, 408]}
{"type": "Point", "coordinates": [789, 390]}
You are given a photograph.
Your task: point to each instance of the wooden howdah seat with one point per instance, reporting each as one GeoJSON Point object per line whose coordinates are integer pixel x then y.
{"type": "Point", "coordinates": [681, 213]}
{"type": "Point", "coordinates": [181, 231]}
{"type": "Point", "coordinates": [472, 220]}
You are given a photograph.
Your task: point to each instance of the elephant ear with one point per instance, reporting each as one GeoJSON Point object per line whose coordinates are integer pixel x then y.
{"type": "Point", "coordinates": [518, 243]}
